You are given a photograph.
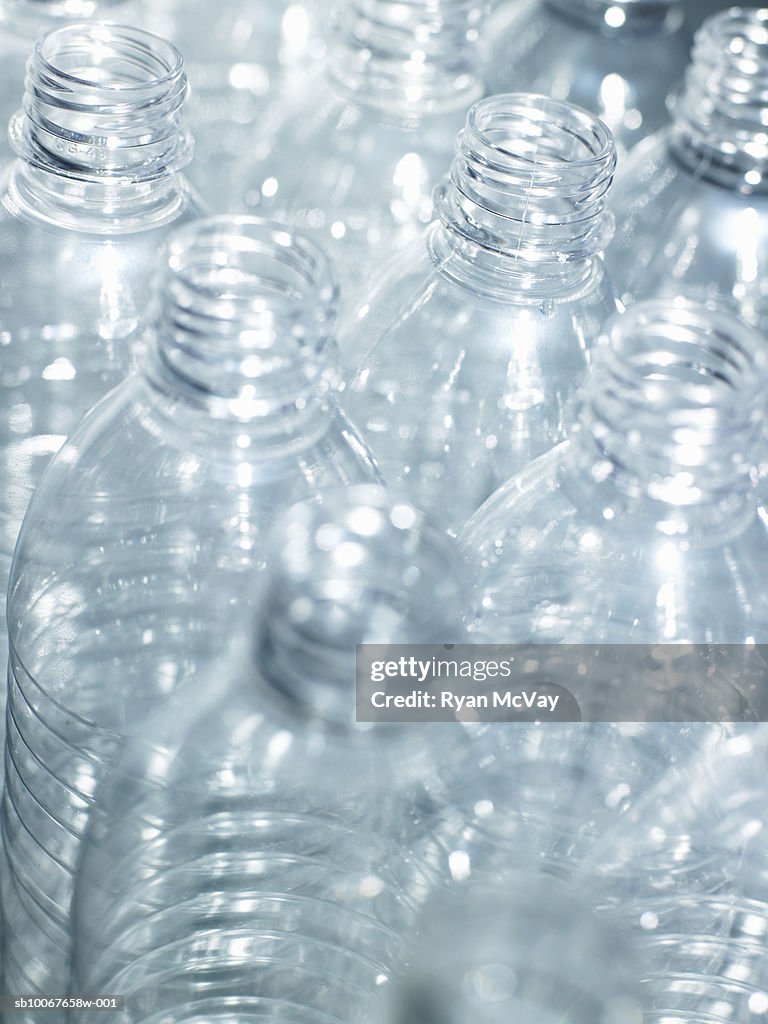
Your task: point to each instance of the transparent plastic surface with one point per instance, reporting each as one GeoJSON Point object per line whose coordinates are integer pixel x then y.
{"type": "Point", "coordinates": [22, 22]}
{"type": "Point", "coordinates": [147, 528]}
{"type": "Point", "coordinates": [253, 852]}
{"type": "Point", "coordinates": [643, 528]}
{"type": "Point", "coordinates": [239, 54]}
{"type": "Point", "coordinates": [620, 60]}
{"type": "Point", "coordinates": [524, 950]}
{"type": "Point", "coordinates": [690, 203]}
{"type": "Point", "coordinates": [355, 157]}
{"type": "Point", "coordinates": [465, 358]}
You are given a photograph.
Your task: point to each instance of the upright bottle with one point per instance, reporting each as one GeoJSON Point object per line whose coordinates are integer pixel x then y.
{"type": "Point", "coordinates": [692, 202]}
{"type": "Point", "coordinates": [356, 156]}
{"type": "Point", "coordinates": [22, 22]}
{"type": "Point", "coordinates": [148, 525]}
{"type": "Point", "coordinates": [238, 53]}
{"type": "Point", "coordinates": [620, 59]}
{"type": "Point", "coordinates": [94, 191]}
{"type": "Point", "coordinates": [643, 528]}
{"type": "Point", "coordinates": [469, 351]}
{"type": "Point", "coordinates": [278, 874]}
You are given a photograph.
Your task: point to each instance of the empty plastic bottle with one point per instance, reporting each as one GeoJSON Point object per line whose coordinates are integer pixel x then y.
{"type": "Point", "coordinates": [238, 53]}
{"type": "Point", "coordinates": [148, 525]}
{"type": "Point", "coordinates": [643, 527]}
{"type": "Point", "coordinates": [469, 351]}
{"type": "Point", "coordinates": [356, 157]}
{"type": "Point", "coordinates": [277, 875]}
{"type": "Point", "coordinates": [620, 59]}
{"type": "Point", "coordinates": [84, 209]}
{"type": "Point", "coordinates": [523, 950]}
{"type": "Point", "coordinates": [691, 203]}
{"type": "Point", "coordinates": [22, 22]}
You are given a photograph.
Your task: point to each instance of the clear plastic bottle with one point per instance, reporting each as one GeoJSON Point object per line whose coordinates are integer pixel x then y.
{"type": "Point", "coordinates": [84, 209]}
{"type": "Point", "coordinates": [523, 949]}
{"type": "Point", "coordinates": [239, 54]}
{"type": "Point", "coordinates": [643, 527]}
{"type": "Point", "coordinates": [691, 203]}
{"type": "Point", "coordinates": [355, 158]}
{"type": "Point", "coordinates": [620, 59]}
{"type": "Point", "coordinates": [147, 528]}
{"type": "Point", "coordinates": [277, 875]}
{"type": "Point", "coordinates": [22, 22]}
{"type": "Point", "coordinates": [469, 351]}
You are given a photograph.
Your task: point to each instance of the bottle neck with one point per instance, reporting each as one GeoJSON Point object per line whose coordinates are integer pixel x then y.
{"type": "Point", "coordinates": [244, 327]}
{"type": "Point", "coordinates": [624, 18]}
{"type": "Point", "coordinates": [720, 118]}
{"type": "Point", "coordinates": [528, 186]}
{"type": "Point", "coordinates": [99, 134]}
{"type": "Point", "coordinates": [671, 418]}
{"type": "Point", "coordinates": [411, 59]}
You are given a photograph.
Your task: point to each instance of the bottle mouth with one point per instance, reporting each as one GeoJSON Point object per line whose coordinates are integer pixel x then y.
{"type": "Point", "coordinates": [690, 381]}
{"type": "Point", "coordinates": [103, 99]}
{"type": "Point", "coordinates": [248, 311]}
{"type": "Point", "coordinates": [533, 173]}
{"type": "Point", "coordinates": [723, 110]}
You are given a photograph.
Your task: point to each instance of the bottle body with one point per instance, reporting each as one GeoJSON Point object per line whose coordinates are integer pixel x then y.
{"type": "Point", "coordinates": [595, 58]}
{"type": "Point", "coordinates": [146, 525]}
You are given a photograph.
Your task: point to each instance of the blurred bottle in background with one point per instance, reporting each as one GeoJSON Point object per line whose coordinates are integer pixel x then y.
{"type": "Point", "coordinates": [467, 354]}
{"type": "Point", "coordinates": [620, 59]}
{"type": "Point", "coordinates": [22, 22]}
{"type": "Point", "coordinates": [84, 210]}
{"type": "Point", "coordinates": [239, 55]}
{"type": "Point", "coordinates": [147, 534]}
{"type": "Point", "coordinates": [691, 203]}
{"type": "Point", "coordinates": [643, 528]}
{"type": "Point", "coordinates": [355, 158]}
{"type": "Point", "coordinates": [279, 870]}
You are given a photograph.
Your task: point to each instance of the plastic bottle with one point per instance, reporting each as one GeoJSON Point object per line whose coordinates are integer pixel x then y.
{"type": "Point", "coordinates": [84, 209]}
{"type": "Point", "coordinates": [643, 528]}
{"type": "Point", "coordinates": [468, 353]}
{"type": "Point", "coordinates": [355, 158]}
{"type": "Point", "coordinates": [147, 528]}
{"type": "Point", "coordinates": [22, 22]}
{"type": "Point", "coordinates": [277, 875]}
{"type": "Point", "coordinates": [620, 59]}
{"type": "Point", "coordinates": [691, 203]}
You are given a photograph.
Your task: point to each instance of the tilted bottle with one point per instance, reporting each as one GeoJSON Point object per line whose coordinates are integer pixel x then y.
{"type": "Point", "coordinates": [643, 527]}
{"type": "Point", "coordinates": [356, 156]}
{"type": "Point", "coordinates": [278, 873]}
{"type": "Point", "coordinates": [149, 523]}
{"type": "Point", "coordinates": [85, 207]}
{"type": "Point", "coordinates": [691, 203]}
{"type": "Point", "coordinates": [22, 22]}
{"type": "Point", "coordinates": [466, 356]}
{"type": "Point", "coordinates": [620, 59]}
{"type": "Point", "coordinates": [238, 53]}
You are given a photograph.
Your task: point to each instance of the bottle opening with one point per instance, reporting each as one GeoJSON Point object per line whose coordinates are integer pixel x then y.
{"type": "Point", "coordinates": [103, 100]}
{"type": "Point", "coordinates": [530, 178]}
{"type": "Point", "coordinates": [247, 313]}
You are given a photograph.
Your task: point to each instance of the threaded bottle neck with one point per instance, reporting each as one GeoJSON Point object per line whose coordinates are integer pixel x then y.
{"type": "Point", "coordinates": [246, 314]}
{"type": "Point", "coordinates": [354, 567]}
{"type": "Point", "coordinates": [529, 181]}
{"type": "Point", "coordinates": [721, 118]}
{"type": "Point", "coordinates": [673, 412]}
{"type": "Point", "coordinates": [415, 57]}
{"type": "Point", "coordinates": [623, 17]}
